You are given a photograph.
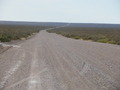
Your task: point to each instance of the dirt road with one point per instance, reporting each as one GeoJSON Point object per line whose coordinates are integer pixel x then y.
{"type": "Point", "coordinates": [52, 62]}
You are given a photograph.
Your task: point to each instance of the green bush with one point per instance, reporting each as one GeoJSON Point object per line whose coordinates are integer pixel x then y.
{"type": "Point", "coordinates": [105, 40]}
{"type": "Point", "coordinates": [76, 37]}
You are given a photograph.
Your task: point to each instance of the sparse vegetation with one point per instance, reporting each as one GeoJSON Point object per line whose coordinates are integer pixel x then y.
{"type": "Point", "coordinates": [8, 33]}
{"type": "Point", "coordinates": [104, 35]}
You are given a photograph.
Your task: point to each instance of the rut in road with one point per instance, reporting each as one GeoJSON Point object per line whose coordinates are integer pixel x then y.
{"type": "Point", "coordinates": [54, 62]}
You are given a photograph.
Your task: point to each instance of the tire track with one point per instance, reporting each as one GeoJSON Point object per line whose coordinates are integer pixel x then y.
{"type": "Point", "coordinates": [12, 70]}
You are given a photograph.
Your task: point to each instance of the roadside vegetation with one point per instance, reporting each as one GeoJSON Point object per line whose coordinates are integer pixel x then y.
{"type": "Point", "coordinates": [10, 32]}
{"type": "Point", "coordinates": [103, 35]}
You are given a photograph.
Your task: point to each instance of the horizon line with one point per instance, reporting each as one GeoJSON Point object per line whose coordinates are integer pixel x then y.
{"type": "Point", "coordinates": [58, 22]}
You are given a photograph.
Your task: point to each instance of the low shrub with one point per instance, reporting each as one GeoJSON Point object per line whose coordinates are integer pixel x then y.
{"type": "Point", "coordinates": [8, 32]}
{"type": "Point", "coordinates": [104, 35]}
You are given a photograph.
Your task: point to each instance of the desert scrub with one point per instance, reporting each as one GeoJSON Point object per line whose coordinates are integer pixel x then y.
{"type": "Point", "coordinates": [104, 35]}
{"type": "Point", "coordinates": [10, 32]}
{"type": "Point", "coordinates": [4, 38]}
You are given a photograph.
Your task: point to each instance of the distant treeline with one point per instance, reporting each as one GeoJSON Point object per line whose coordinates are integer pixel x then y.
{"type": "Point", "coordinates": [104, 35]}
{"type": "Point", "coordinates": [11, 32]}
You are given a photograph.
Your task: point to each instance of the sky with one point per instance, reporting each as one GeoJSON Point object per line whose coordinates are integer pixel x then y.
{"type": "Point", "coordinates": [77, 11]}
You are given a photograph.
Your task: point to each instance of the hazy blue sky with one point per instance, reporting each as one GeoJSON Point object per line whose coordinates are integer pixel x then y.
{"type": "Point", "coordinates": [83, 11]}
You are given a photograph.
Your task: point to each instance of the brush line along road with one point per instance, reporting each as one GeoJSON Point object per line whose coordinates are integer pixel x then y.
{"type": "Point", "coordinates": [52, 62]}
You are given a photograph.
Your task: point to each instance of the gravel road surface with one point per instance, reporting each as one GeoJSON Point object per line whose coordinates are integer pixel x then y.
{"type": "Point", "coordinates": [52, 62]}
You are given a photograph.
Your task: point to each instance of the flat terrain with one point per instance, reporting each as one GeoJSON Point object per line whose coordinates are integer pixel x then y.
{"type": "Point", "coordinates": [9, 33]}
{"type": "Point", "coordinates": [52, 62]}
{"type": "Point", "coordinates": [103, 35]}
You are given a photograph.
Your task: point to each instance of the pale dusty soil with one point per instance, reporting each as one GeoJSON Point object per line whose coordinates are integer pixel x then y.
{"type": "Point", "coordinates": [3, 49]}
{"type": "Point", "coordinates": [14, 42]}
{"type": "Point", "coordinates": [52, 62]}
